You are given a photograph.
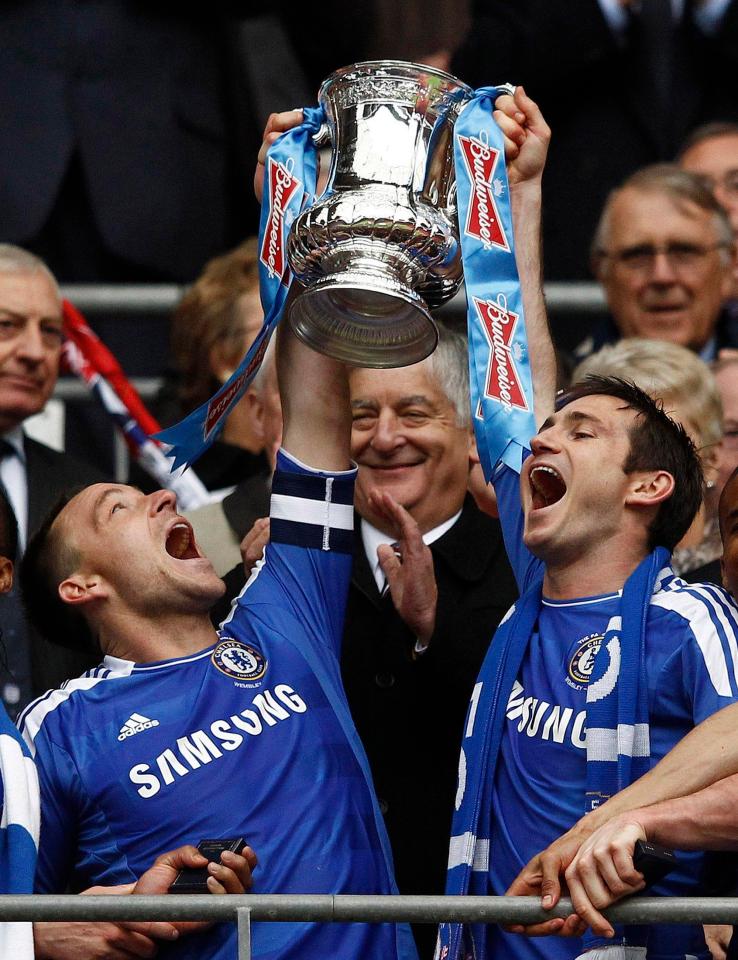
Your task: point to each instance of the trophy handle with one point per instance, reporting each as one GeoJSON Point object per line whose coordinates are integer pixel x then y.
{"type": "Point", "coordinates": [323, 137]}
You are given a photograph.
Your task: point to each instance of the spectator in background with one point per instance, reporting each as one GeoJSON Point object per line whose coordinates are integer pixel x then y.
{"type": "Point", "coordinates": [411, 437]}
{"type": "Point", "coordinates": [664, 254]}
{"type": "Point", "coordinates": [712, 152]}
{"type": "Point", "coordinates": [726, 377]}
{"type": "Point", "coordinates": [221, 526]}
{"type": "Point", "coordinates": [642, 75]}
{"type": "Point", "coordinates": [33, 474]}
{"type": "Point", "coordinates": [212, 328]}
{"type": "Point", "coordinates": [123, 126]}
{"type": "Point", "coordinates": [686, 387]}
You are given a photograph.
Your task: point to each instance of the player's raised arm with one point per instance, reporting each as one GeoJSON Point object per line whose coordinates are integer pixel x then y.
{"type": "Point", "coordinates": [315, 404]}
{"type": "Point", "coordinates": [527, 136]}
{"type": "Point", "coordinates": [313, 388]}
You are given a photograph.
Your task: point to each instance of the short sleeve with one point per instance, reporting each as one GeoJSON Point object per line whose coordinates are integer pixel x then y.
{"type": "Point", "coordinates": [710, 651]}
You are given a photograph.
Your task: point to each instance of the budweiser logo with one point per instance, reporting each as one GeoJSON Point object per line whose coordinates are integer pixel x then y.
{"type": "Point", "coordinates": [222, 402]}
{"type": "Point", "coordinates": [282, 185]}
{"type": "Point", "coordinates": [483, 220]}
{"type": "Point", "coordinates": [498, 324]}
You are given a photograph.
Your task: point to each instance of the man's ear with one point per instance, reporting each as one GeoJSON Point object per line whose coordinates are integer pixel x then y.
{"type": "Point", "coordinates": [722, 574]}
{"type": "Point", "coordinates": [6, 575]}
{"type": "Point", "coordinates": [78, 589]}
{"type": "Point", "coordinates": [648, 489]}
{"type": "Point", "coordinates": [473, 451]}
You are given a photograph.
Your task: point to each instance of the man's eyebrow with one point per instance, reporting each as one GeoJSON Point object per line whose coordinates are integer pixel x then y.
{"type": "Point", "coordinates": [361, 402]}
{"type": "Point", "coordinates": [416, 398]}
{"type": "Point", "coordinates": [572, 416]}
{"type": "Point", "coordinates": [579, 416]}
{"type": "Point", "coordinates": [56, 317]}
{"type": "Point", "coordinates": [99, 501]}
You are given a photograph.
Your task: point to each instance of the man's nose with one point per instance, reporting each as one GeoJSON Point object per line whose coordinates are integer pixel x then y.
{"type": "Point", "coordinates": [30, 344]}
{"type": "Point", "coordinates": [162, 500]}
{"type": "Point", "coordinates": [387, 433]}
{"type": "Point", "coordinates": [544, 442]}
{"type": "Point", "coordinates": [662, 268]}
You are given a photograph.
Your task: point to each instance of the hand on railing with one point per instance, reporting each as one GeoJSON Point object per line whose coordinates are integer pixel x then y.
{"type": "Point", "coordinates": [115, 941]}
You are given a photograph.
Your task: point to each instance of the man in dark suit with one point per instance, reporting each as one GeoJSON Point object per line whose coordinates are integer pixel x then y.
{"type": "Point", "coordinates": [412, 438]}
{"type": "Point", "coordinates": [408, 695]}
{"type": "Point", "coordinates": [121, 159]}
{"type": "Point", "coordinates": [32, 474]}
{"type": "Point", "coordinates": [639, 75]}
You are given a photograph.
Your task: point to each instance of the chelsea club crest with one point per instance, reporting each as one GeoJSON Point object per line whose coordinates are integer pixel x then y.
{"type": "Point", "coordinates": [582, 663]}
{"type": "Point", "coordinates": [238, 660]}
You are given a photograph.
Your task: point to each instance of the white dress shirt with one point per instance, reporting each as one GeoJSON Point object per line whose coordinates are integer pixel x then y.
{"type": "Point", "coordinates": [372, 538]}
{"type": "Point", "coordinates": [15, 481]}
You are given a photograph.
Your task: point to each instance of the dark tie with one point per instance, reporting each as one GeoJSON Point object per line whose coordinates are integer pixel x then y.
{"type": "Point", "coordinates": [396, 548]}
{"type": "Point", "coordinates": [653, 35]}
{"type": "Point", "coordinates": [15, 657]}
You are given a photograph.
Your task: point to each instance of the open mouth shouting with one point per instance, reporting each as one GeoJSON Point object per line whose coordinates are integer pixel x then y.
{"type": "Point", "coordinates": [180, 542]}
{"type": "Point", "coordinates": [546, 485]}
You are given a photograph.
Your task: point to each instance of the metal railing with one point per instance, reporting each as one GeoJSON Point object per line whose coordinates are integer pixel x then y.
{"type": "Point", "coordinates": [326, 908]}
{"type": "Point", "coordinates": [159, 299]}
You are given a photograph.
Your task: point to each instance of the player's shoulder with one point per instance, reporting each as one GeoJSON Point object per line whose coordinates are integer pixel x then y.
{"type": "Point", "coordinates": [60, 708]}
{"type": "Point", "coordinates": [704, 607]}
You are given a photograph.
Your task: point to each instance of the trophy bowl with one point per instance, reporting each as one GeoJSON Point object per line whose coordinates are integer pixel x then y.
{"type": "Point", "coordinates": [380, 247]}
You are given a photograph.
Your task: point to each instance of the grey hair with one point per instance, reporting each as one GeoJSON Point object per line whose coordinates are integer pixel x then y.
{"type": "Point", "coordinates": [679, 185]}
{"type": "Point", "coordinates": [449, 366]}
{"type": "Point", "coordinates": [17, 260]}
{"type": "Point", "coordinates": [667, 372]}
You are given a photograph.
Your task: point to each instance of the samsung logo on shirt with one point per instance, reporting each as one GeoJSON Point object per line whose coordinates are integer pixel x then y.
{"type": "Point", "coordinates": [537, 718]}
{"type": "Point", "coordinates": [204, 746]}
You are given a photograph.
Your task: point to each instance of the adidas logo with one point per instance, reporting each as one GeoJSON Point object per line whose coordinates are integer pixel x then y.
{"type": "Point", "coordinates": [136, 724]}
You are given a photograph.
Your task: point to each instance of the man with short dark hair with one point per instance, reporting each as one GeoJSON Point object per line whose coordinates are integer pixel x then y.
{"type": "Point", "coordinates": [184, 733]}
{"type": "Point", "coordinates": [607, 659]}
{"type": "Point", "coordinates": [602, 870]}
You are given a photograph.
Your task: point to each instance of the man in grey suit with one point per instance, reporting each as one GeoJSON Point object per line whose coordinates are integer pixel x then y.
{"type": "Point", "coordinates": [33, 475]}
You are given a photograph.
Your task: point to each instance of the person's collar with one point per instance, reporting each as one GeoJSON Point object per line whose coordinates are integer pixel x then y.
{"type": "Point", "coordinates": [372, 537]}
{"type": "Point", "coordinates": [15, 438]}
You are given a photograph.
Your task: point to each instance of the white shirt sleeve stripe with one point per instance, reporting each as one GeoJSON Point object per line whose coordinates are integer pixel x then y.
{"type": "Point", "coordinates": [20, 787]}
{"type": "Point", "coordinates": [695, 610]}
{"type": "Point", "coordinates": [340, 516]}
{"type": "Point", "coordinates": [37, 713]}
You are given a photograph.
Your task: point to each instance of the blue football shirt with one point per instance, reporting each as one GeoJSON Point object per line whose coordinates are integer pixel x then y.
{"type": "Point", "coordinates": [540, 782]}
{"type": "Point", "coordinates": [251, 737]}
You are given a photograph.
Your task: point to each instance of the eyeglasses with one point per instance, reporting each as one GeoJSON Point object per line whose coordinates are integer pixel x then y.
{"type": "Point", "coordinates": [681, 256]}
{"type": "Point", "coordinates": [728, 182]}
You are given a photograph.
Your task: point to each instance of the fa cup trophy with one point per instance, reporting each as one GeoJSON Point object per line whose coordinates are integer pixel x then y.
{"type": "Point", "coordinates": [380, 247]}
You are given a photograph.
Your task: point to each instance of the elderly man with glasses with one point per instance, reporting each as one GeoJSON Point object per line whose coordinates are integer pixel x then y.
{"type": "Point", "coordinates": [664, 254]}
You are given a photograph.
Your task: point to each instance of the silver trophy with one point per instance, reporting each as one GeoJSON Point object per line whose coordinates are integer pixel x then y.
{"type": "Point", "coordinates": [380, 247]}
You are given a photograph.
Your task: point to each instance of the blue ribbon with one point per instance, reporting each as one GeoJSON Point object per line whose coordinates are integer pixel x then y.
{"type": "Point", "coordinates": [499, 368]}
{"type": "Point", "coordinates": [290, 176]}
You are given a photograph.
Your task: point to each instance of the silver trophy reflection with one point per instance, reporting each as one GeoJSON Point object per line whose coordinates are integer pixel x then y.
{"type": "Point", "coordinates": [380, 247]}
